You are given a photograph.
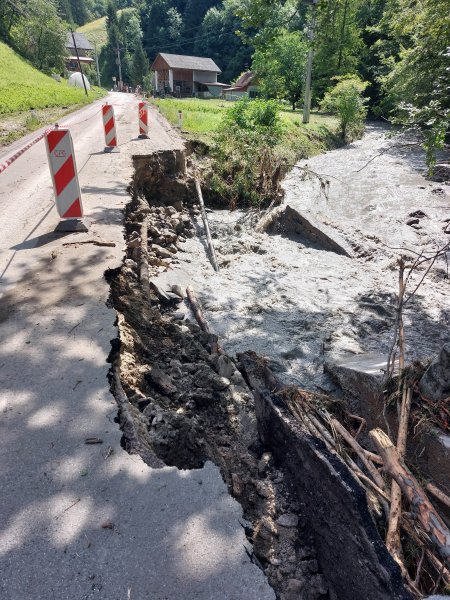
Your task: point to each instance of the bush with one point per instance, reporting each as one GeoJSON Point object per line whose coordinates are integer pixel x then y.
{"type": "Point", "coordinates": [244, 167]}
{"type": "Point", "coordinates": [346, 100]}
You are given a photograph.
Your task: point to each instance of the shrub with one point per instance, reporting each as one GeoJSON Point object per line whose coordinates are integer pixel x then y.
{"type": "Point", "coordinates": [244, 167]}
{"type": "Point", "coordinates": [346, 100]}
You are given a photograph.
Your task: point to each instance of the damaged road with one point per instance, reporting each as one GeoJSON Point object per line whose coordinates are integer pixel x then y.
{"type": "Point", "coordinates": [297, 288]}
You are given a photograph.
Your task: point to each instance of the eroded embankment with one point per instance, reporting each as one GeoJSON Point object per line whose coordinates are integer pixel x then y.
{"type": "Point", "coordinates": [183, 401]}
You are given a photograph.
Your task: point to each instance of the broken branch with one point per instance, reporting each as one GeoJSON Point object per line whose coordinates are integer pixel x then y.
{"type": "Point", "coordinates": [432, 523]}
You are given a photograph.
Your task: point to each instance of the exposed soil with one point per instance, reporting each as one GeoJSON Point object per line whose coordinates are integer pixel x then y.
{"type": "Point", "coordinates": [292, 297]}
{"type": "Point", "coordinates": [191, 405]}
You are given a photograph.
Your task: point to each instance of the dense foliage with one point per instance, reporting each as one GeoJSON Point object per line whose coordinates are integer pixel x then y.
{"type": "Point", "coordinates": [400, 47]}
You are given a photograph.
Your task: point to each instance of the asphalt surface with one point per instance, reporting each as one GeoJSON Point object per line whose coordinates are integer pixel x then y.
{"type": "Point", "coordinates": [84, 521]}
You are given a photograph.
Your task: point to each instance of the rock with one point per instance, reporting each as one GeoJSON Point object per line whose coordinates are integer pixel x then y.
{"type": "Point", "coordinates": [205, 377]}
{"type": "Point", "coordinates": [170, 211]}
{"type": "Point", "coordinates": [225, 366]}
{"type": "Point", "coordinates": [161, 380]}
{"type": "Point", "coordinates": [153, 231]}
{"type": "Point", "coordinates": [288, 520]}
{"type": "Point", "coordinates": [237, 484]}
{"type": "Point", "coordinates": [318, 585]}
{"type": "Point", "coordinates": [130, 263]}
{"type": "Point", "coordinates": [435, 383]}
{"type": "Point", "coordinates": [295, 585]}
{"type": "Point", "coordinates": [441, 172]}
{"type": "Point", "coordinates": [264, 463]}
{"type": "Point", "coordinates": [412, 221]}
{"type": "Point", "coordinates": [178, 205]}
{"type": "Point", "coordinates": [418, 214]}
{"type": "Point", "coordinates": [161, 252]}
{"type": "Point", "coordinates": [262, 489]}
{"type": "Point", "coordinates": [267, 528]}
{"type": "Point", "coordinates": [203, 398]}
{"type": "Point", "coordinates": [178, 290]}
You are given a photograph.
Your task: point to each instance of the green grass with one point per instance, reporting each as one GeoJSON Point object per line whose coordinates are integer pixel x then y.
{"type": "Point", "coordinates": [95, 31]}
{"type": "Point", "coordinates": [23, 88]}
{"type": "Point", "coordinates": [201, 119]}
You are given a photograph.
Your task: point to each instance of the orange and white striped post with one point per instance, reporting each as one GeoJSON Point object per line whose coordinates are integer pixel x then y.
{"type": "Point", "coordinates": [63, 169]}
{"type": "Point", "coordinates": [143, 119]}
{"type": "Point", "coordinates": [109, 124]}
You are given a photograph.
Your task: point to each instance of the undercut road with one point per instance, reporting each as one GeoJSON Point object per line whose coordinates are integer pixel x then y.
{"type": "Point", "coordinates": [81, 521]}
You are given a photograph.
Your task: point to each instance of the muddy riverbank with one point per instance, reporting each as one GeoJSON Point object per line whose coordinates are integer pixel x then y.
{"type": "Point", "coordinates": [318, 284]}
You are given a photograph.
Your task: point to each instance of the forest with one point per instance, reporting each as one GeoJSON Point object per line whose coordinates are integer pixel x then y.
{"type": "Point", "coordinates": [398, 48]}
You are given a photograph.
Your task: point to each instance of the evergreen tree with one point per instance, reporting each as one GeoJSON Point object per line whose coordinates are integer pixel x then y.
{"type": "Point", "coordinates": [140, 64]}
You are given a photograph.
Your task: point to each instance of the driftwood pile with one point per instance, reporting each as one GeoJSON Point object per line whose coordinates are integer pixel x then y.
{"type": "Point", "coordinates": [421, 528]}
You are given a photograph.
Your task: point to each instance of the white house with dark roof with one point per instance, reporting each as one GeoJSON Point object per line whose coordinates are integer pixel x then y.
{"type": "Point", "coordinates": [186, 75]}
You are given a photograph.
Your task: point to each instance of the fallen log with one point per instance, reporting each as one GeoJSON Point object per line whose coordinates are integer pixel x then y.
{"type": "Point", "coordinates": [198, 314]}
{"type": "Point", "coordinates": [197, 309]}
{"type": "Point", "coordinates": [206, 225]}
{"type": "Point", "coordinates": [421, 507]}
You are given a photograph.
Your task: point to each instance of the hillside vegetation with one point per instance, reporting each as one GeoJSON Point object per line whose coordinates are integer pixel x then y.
{"type": "Point", "coordinates": [22, 87]}
{"type": "Point", "coordinates": [95, 31]}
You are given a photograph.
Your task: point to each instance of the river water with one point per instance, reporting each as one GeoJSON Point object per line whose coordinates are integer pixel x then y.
{"type": "Point", "coordinates": [298, 304]}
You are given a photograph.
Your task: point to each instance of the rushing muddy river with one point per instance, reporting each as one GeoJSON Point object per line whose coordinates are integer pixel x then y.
{"type": "Point", "coordinates": [297, 303]}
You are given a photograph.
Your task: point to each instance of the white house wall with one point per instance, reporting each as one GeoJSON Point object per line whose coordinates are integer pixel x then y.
{"type": "Point", "coordinates": [205, 76]}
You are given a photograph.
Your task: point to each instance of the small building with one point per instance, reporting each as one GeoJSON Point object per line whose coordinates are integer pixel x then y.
{"type": "Point", "coordinates": [186, 76]}
{"type": "Point", "coordinates": [246, 85]}
{"type": "Point", "coordinates": [84, 47]}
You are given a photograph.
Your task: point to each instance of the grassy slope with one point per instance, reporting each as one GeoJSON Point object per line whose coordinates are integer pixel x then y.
{"type": "Point", "coordinates": [24, 89]}
{"type": "Point", "coordinates": [201, 118]}
{"type": "Point", "coordinates": [95, 31]}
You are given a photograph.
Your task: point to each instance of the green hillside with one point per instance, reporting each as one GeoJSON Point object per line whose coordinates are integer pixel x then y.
{"type": "Point", "coordinates": [22, 87]}
{"type": "Point", "coordinates": [95, 31]}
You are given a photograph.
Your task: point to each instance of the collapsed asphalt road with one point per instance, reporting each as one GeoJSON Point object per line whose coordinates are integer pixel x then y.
{"type": "Point", "coordinates": [81, 519]}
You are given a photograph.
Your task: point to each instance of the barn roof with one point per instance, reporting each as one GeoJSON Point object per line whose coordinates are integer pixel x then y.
{"type": "Point", "coordinates": [194, 63]}
{"type": "Point", "coordinates": [81, 41]}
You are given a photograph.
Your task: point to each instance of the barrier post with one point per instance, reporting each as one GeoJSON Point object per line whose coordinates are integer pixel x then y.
{"type": "Point", "coordinates": [180, 119]}
{"type": "Point", "coordinates": [143, 119]}
{"type": "Point", "coordinates": [63, 169]}
{"type": "Point", "coordinates": [109, 125]}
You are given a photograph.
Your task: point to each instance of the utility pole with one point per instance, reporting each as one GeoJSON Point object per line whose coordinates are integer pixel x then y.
{"type": "Point", "coordinates": [79, 62]}
{"type": "Point", "coordinates": [119, 64]}
{"type": "Point", "coordinates": [96, 64]}
{"type": "Point", "coordinates": [307, 100]}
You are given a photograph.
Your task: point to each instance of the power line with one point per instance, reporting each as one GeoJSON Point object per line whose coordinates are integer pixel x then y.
{"type": "Point", "coordinates": [197, 39]}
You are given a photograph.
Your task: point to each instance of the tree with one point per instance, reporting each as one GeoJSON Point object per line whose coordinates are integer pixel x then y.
{"type": "Point", "coordinates": [217, 39]}
{"type": "Point", "coordinates": [140, 64]}
{"type": "Point", "coordinates": [338, 42]}
{"type": "Point", "coordinates": [40, 35]}
{"type": "Point", "coordinates": [346, 100]}
{"type": "Point", "coordinates": [280, 69]}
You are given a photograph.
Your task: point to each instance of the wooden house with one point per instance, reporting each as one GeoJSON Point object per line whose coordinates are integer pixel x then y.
{"type": "Point", "coordinates": [186, 76]}
{"type": "Point", "coordinates": [246, 85]}
{"type": "Point", "coordinates": [84, 47]}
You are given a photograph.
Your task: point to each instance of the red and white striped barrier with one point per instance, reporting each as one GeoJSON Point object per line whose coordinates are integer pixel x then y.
{"type": "Point", "coordinates": [63, 169]}
{"type": "Point", "coordinates": [143, 119]}
{"type": "Point", "coordinates": [109, 124]}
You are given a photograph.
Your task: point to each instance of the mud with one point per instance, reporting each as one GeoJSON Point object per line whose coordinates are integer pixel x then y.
{"type": "Point", "coordinates": [291, 299]}
{"type": "Point", "coordinates": [190, 405]}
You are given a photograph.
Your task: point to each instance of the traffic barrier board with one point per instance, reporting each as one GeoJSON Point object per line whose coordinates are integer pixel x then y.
{"type": "Point", "coordinates": [63, 169]}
